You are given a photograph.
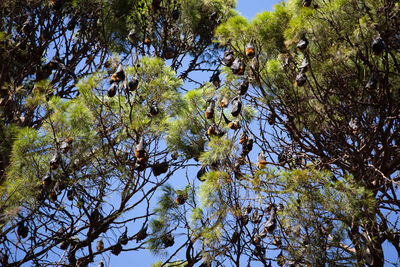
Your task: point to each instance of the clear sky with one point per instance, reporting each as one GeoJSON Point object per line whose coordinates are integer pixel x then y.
{"type": "Point", "coordinates": [248, 9]}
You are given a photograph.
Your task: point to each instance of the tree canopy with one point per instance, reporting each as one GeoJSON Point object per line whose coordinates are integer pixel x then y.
{"type": "Point", "coordinates": [287, 153]}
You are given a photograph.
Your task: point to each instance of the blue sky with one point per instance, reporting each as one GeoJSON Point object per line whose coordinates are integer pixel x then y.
{"type": "Point", "coordinates": [249, 8]}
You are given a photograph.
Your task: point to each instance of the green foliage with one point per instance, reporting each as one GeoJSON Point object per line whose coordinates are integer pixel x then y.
{"type": "Point", "coordinates": [168, 215]}
{"type": "Point", "coordinates": [186, 132]}
{"type": "Point", "coordinates": [219, 150]}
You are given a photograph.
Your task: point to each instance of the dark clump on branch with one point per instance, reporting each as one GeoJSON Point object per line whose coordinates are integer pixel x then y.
{"type": "Point", "coordinates": [123, 239]}
{"type": "Point", "coordinates": [228, 59]}
{"type": "Point", "coordinates": [133, 84]}
{"type": "Point", "coordinates": [116, 250]}
{"type": "Point", "coordinates": [236, 106]}
{"type": "Point", "coordinates": [238, 67]}
{"type": "Point", "coordinates": [210, 110]}
{"type": "Point", "coordinates": [112, 91]}
{"type": "Point", "coordinates": [244, 86]}
{"type": "Point", "coordinates": [249, 49]}
{"type": "Point", "coordinates": [159, 168]}
{"type": "Point", "coordinates": [378, 45]}
{"type": "Point", "coordinates": [55, 161]}
{"type": "Point", "coordinates": [118, 75]}
{"type": "Point", "coordinates": [301, 79]}
{"type": "Point", "coordinates": [261, 161]}
{"type": "Point", "coordinates": [234, 125]}
{"type": "Point", "coordinates": [100, 245]}
{"type": "Point", "coordinates": [22, 230]}
{"type": "Point", "coordinates": [142, 234]}
{"type": "Point", "coordinates": [215, 80]}
{"type": "Point", "coordinates": [306, 3]}
{"type": "Point", "coordinates": [168, 240]}
{"type": "Point", "coordinates": [154, 110]}
{"type": "Point", "coordinates": [302, 44]}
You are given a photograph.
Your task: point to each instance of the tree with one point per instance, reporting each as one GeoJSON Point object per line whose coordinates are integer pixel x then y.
{"type": "Point", "coordinates": [301, 169]}
{"type": "Point", "coordinates": [323, 107]}
{"type": "Point", "coordinates": [83, 131]}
